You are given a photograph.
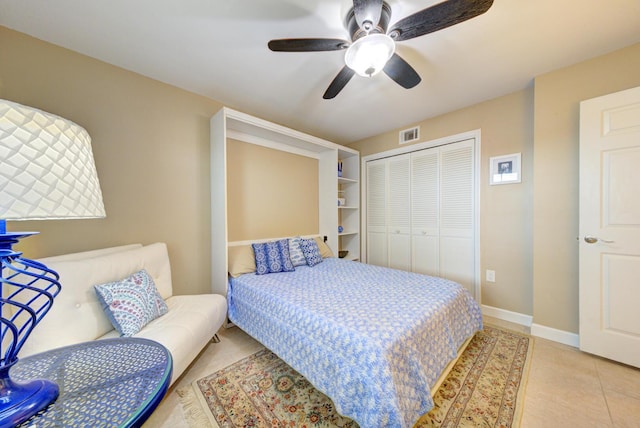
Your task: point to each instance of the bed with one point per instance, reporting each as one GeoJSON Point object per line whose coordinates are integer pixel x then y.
{"type": "Point", "coordinates": [375, 340]}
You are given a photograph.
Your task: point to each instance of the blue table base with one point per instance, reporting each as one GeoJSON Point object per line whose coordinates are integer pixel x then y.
{"type": "Point", "coordinates": [25, 399]}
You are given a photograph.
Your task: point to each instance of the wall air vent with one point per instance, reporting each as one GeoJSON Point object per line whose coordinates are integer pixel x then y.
{"type": "Point", "coordinates": [410, 135]}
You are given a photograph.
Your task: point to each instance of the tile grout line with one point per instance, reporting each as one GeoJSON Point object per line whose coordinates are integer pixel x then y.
{"type": "Point", "coordinates": [604, 395]}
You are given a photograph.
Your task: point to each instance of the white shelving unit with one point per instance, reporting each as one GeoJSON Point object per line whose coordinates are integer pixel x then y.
{"type": "Point", "coordinates": [228, 123]}
{"type": "Point", "coordinates": [349, 214]}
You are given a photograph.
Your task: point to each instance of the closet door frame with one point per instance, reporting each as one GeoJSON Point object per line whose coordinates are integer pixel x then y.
{"type": "Point", "coordinates": [474, 135]}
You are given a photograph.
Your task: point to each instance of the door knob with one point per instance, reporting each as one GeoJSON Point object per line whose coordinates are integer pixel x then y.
{"type": "Point", "coordinates": [592, 240]}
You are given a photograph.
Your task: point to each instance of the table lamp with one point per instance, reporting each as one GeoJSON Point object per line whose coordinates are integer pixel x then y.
{"type": "Point", "coordinates": [46, 172]}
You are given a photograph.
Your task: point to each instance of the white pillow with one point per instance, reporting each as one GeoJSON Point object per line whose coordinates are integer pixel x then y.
{"type": "Point", "coordinates": [295, 252]}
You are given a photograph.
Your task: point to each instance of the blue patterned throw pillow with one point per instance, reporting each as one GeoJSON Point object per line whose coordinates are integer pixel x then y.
{"type": "Point", "coordinates": [131, 303]}
{"type": "Point", "coordinates": [272, 257]}
{"type": "Point", "coordinates": [295, 252]}
{"type": "Point", "coordinates": [311, 251]}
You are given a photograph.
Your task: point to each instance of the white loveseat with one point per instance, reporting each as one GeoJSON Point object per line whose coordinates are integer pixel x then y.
{"type": "Point", "coordinates": [77, 315]}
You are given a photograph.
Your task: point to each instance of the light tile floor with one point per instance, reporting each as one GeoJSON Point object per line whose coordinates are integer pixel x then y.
{"type": "Point", "coordinates": [566, 388]}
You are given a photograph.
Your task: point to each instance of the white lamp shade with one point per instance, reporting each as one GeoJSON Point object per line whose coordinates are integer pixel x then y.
{"type": "Point", "coordinates": [47, 168]}
{"type": "Point", "coordinates": [368, 55]}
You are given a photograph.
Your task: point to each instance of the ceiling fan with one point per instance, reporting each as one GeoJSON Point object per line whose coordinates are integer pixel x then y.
{"type": "Point", "coordinates": [372, 47]}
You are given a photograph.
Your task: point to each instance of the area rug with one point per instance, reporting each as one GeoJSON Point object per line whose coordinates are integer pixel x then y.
{"type": "Point", "coordinates": [483, 389]}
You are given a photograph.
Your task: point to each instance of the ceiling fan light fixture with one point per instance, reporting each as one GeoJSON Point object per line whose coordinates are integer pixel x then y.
{"type": "Point", "coordinates": [368, 55]}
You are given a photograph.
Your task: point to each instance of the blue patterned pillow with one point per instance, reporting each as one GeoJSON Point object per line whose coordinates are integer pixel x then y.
{"type": "Point", "coordinates": [311, 251]}
{"type": "Point", "coordinates": [272, 257]}
{"type": "Point", "coordinates": [131, 303]}
{"type": "Point", "coordinates": [295, 252]}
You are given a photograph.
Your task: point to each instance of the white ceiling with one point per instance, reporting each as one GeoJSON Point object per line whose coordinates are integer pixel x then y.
{"type": "Point", "coordinates": [218, 48]}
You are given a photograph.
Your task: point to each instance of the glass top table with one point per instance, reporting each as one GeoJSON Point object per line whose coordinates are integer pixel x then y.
{"type": "Point", "coordinates": [103, 383]}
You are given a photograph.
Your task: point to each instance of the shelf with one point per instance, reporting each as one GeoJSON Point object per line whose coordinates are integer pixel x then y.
{"type": "Point", "coordinates": [349, 213]}
{"type": "Point", "coordinates": [346, 180]}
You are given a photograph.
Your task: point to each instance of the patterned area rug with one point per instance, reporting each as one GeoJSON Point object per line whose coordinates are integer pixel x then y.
{"type": "Point", "coordinates": [483, 389]}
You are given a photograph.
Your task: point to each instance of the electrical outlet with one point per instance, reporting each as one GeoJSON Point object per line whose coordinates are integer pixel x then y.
{"type": "Point", "coordinates": [491, 275]}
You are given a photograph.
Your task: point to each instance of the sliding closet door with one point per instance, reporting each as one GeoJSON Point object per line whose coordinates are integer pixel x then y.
{"type": "Point", "coordinates": [421, 212]}
{"type": "Point", "coordinates": [399, 210]}
{"type": "Point", "coordinates": [377, 212]}
{"type": "Point", "coordinates": [457, 213]}
{"type": "Point", "coordinates": [425, 195]}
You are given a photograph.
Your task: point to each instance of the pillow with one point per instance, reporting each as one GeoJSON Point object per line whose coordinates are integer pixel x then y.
{"type": "Point", "coordinates": [325, 251]}
{"type": "Point", "coordinates": [241, 260]}
{"type": "Point", "coordinates": [272, 257]}
{"type": "Point", "coordinates": [295, 252]}
{"type": "Point", "coordinates": [131, 303]}
{"type": "Point", "coordinates": [311, 251]}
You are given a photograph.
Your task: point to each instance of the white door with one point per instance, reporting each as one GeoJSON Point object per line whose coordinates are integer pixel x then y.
{"type": "Point", "coordinates": [399, 209]}
{"type": "Point", "coordinates": [377, 213]}
{"type": "Point", "coordinates": [457, 201]}
{"type": "Point", "coordinates": [425, 207]}
{"type": "Point", "coordinates": [610, 226]}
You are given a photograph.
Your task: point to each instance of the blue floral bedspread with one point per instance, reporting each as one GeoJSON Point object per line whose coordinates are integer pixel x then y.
{"type": "Point", "coordinates": [373, 339]}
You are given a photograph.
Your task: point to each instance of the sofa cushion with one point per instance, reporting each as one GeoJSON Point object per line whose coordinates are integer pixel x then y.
{"type": "Point", "coordinates": [9, 310]}
{"type": "Point", "coordinates": [76, 315]}
{"type": "Point", "coordinates": [89, 254]}
{"type": "Point", "coordinates": [131, 303]}
{"type": "Point", "coordinates": [189, 325]}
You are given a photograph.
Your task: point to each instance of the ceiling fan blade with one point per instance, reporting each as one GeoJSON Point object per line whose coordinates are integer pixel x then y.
{"type": "Point", "coordinates": [434, 18]}
{"type": "Point", "coordinates": [400, 71]}
{"type": "Point", "coordinates": [307, 45]}
{"type": "Point", "coordinates": [338, 82]}
{"type": "Point", "coordinates": [367, 11]}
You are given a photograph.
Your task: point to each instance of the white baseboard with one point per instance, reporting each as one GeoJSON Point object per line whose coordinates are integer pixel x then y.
{"type": "Point", "coordinates": [505, 315]}
{"type": "Point", "coordinates": [537, 330]}
{"type": "Point", "coordinates": [561, 336]}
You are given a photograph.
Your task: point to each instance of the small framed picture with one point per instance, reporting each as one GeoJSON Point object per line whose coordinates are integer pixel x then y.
{"type": "Point", "coordinates": [505, 169]}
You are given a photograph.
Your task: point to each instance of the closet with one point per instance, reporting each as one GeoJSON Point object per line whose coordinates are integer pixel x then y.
{"type": "Point", "coordinates": [421, 211]}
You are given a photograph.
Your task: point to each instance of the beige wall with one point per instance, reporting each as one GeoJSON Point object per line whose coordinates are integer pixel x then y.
{"type": "Point", "coordinates": [151, 146]}
{"type": "Point", "coordinates": [557, 98]}
{"type": "Point", "coordinates": [505, 211]}
{"type": "Point", "coordinates": [529, 230]}
{"type": "Point", "coordinates": [270, 193]}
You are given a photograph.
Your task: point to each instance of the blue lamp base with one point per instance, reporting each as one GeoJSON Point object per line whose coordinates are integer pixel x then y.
{"type": "Point", "coordinates": [20, 401]}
